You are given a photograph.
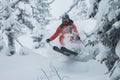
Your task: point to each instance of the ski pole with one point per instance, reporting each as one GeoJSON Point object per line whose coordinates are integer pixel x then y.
{"type": "Point", "coordinates": [50, 44]}
{"type": "Point", "coordinates": [81, 41]}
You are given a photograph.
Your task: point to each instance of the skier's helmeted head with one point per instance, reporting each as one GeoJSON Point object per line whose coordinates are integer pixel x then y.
{"type": "Point", "coordinates": [65, 18]}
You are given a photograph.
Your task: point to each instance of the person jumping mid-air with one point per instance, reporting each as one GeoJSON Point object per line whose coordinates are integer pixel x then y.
{"type": "Point", "coordinates": [67, 27]}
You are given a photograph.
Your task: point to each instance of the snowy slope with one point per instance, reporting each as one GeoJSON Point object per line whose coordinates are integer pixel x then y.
{"type": "Point", "coordinates": [21, 67]}
{"type": "Point", "coordinates": [29, 67]}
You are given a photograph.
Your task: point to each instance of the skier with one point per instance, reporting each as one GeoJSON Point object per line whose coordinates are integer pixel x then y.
{"type": "Point", "coordinates": [67, 27]}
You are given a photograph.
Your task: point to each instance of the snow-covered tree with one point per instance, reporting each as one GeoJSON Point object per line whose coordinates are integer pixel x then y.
{"type": "Point", "coordinates": [16, 15]}
{"type": "Point", "coordinates": [109, 32]}
{"type": "Point", "coordinates": [93, 9]}
{"type": "Point", "coordinates": [42, 14]}
{"type": "Point", "coordinates": [23, 12]}
{"type": "Point", "coordinates": [107, 29]}
{"type": "Point", "coordinates": [80, 9]}
{"type": "Point", "coordinates": [9, 26]}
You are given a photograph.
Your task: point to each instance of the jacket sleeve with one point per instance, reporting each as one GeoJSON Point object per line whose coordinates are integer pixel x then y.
{"type": "Point", "coordinates": [56, 34]}
{"type": "Point", "coordinates": [75, 28]}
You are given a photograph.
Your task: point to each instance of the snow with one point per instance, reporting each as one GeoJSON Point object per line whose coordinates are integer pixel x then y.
{"type": "Point", "coordinates": [118, 49]}
{"type": "Point", "coordinates": [29, 68]}
{"type": "Point", "coordinates": [103, 9]}
{"type": "Point", "coordinates": [21, 67]}
{"type": "Point", "coordinates": [82, 26]}
{"type": "Point", "coordinates": [117, 24]}
{"type": "Point", "coordinates": [26, 7]}
{"type": "Point", "coordinates": [30, 64]}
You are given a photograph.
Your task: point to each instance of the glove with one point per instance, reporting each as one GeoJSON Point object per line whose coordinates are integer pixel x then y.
{"type": "Point", "coordinates": [77, 38]}
{"type": "Point", "coordinates": [48, 40]}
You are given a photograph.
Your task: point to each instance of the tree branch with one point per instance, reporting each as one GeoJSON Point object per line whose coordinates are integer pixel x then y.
{"type": "Point", "coordinates": [51, 2]}
{"type": "Point", "coordinates": [73, 6]}
{"type": "Point", "coordinates": [15, 3]}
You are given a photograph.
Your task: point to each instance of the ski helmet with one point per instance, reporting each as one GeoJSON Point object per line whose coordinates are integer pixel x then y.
{"type": "Point", "coordinates": [65, 16]}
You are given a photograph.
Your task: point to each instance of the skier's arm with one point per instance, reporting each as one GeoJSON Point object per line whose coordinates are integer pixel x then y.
{"type": "Point", "coordinates": [74, 29]}
{"type": "Point", "coordinates": [56, 34]}
{"type": "Point", "coordinates": [75, 32]}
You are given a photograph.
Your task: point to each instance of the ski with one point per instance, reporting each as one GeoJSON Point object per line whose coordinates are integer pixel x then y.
{"type": "Point", "coordinates": [69, 51]}
{"type": "Point", "coordinates": [60, 51]}
{"type": "Point", "coordinates": [65, 51]}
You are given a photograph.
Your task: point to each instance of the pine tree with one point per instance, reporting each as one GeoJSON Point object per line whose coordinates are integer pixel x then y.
{"type": "Point", "coordinates": [23, 11]}
{"type": "Point", "coordinates": [94, 4]}
{"type": "Point", "coordinates": [41, 12]}
{"type": "Point", "coordinates": [9, 26]}
{"type": "Point", "coordinates": [42, 15]}
{"type": "Point", "coordinates": [80, 9]}
{"type": "Point", "coordinates": [108, 29]}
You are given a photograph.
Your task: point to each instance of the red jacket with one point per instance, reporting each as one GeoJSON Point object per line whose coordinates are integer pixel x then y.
{"type": "Point", "coordinates": [63, 30]}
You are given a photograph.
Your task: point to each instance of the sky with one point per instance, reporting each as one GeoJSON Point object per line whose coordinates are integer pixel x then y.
{"type": "Point", "coordinates": [59, 7]}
